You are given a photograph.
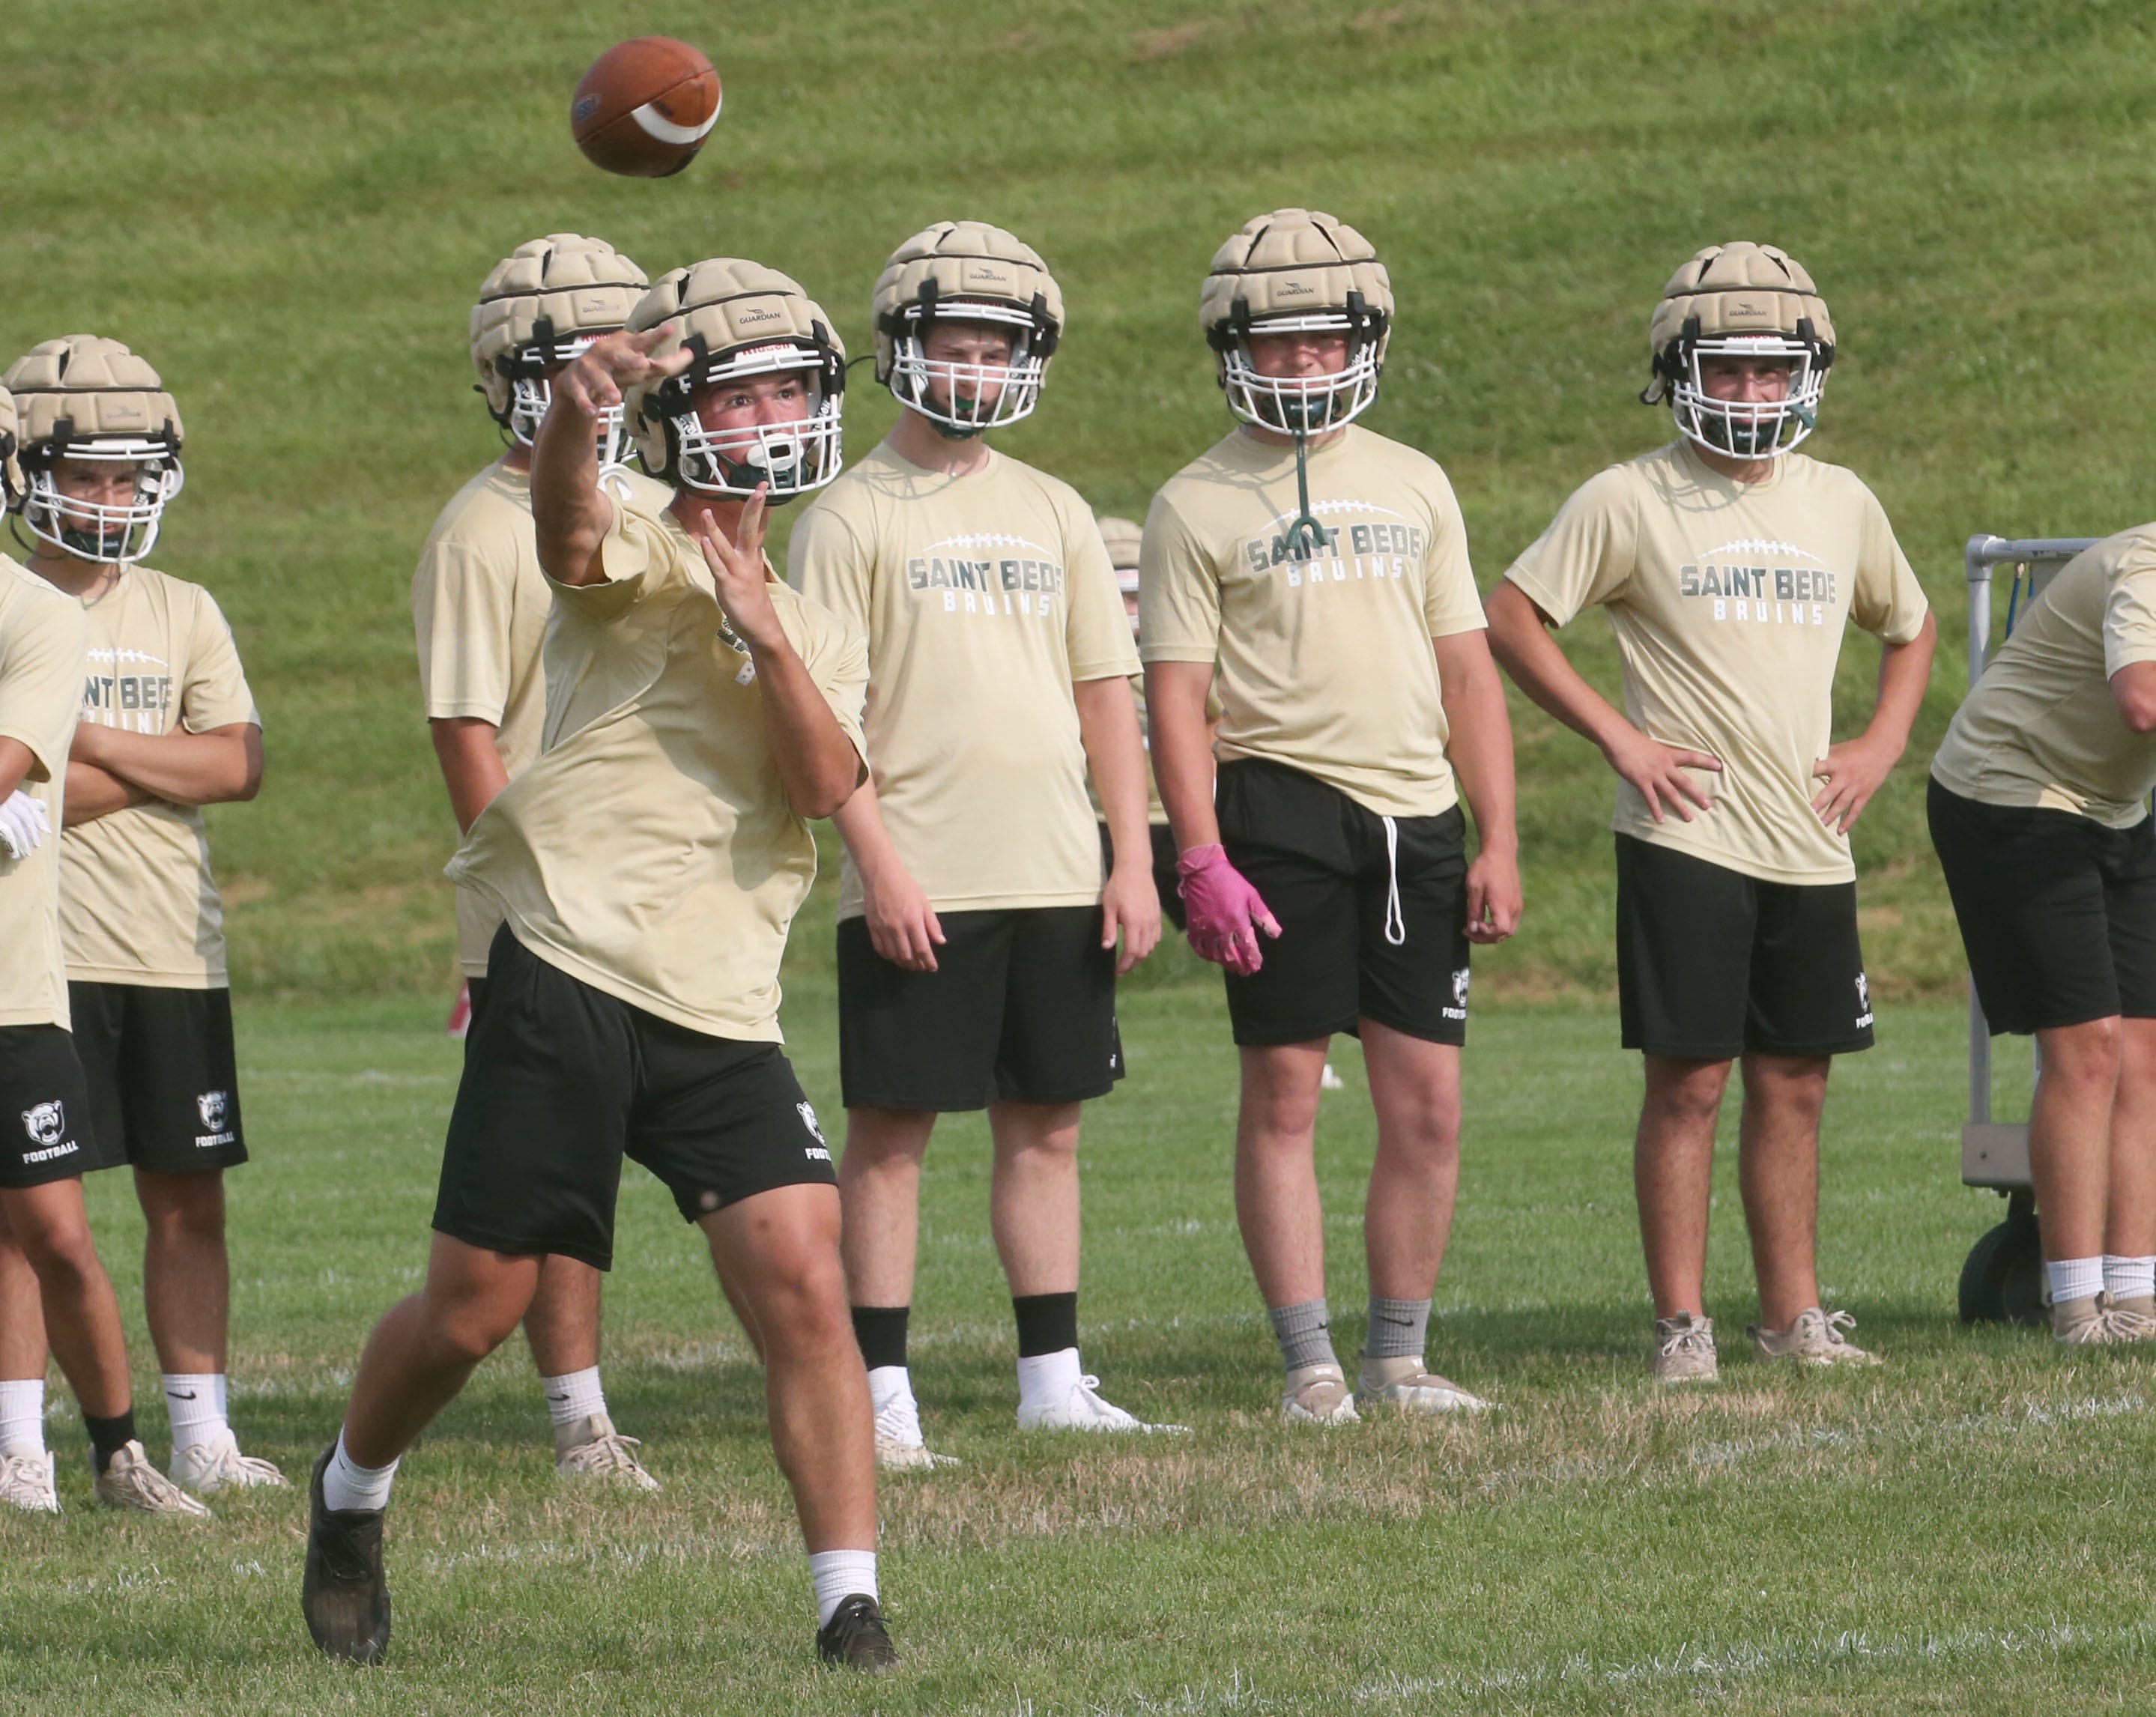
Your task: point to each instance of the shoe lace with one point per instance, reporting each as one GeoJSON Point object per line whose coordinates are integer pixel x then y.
{"type": "Point", "coordinates": [1687, 1338]}
{"type": "Point", "coordinates": [2128, 1326]}
{"type": "Point", "coordinates": [1834, 1328]}
{"type": "Point", "coordinates": [24, 1474]}
{"type": "Point", "coordinates": [226, 1463]}
{"type": "Point", "coordinates": [899, 1420]}
{"type": "Point", "coordinates": [612, 1453]}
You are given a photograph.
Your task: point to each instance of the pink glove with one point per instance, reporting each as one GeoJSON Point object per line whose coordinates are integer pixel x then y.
{"type": "Point", "coordinates": [1225, 912]}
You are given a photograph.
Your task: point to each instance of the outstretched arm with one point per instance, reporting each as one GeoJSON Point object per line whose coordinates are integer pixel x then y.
{"type": "Point", "coordinates": [1520, 640]}
{"type": "Point", "coordinates": [569, 513]}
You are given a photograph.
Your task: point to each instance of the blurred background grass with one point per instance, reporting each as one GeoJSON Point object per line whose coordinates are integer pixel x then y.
{"type": "Point", "coordinates": [289, 209]}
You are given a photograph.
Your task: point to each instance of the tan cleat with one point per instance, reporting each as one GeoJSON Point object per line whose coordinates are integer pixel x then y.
{"type": "Point", "coordinates": [1684, 1350]}
{"type": "Point", "coordinates": [1404, 1384]}
{"type": "Point", "coordinates": [2134, 1319]}
{"type": "Point", "coordinates": [203, 1468]}
{"type": "Point", "coordinates": [592, 1449]}
{"type": "Point", "coordinates": [131, 1482]}
{"type": "Point", "coordinates": [900, 1447]}
{"type": "Point", "coordinates": [1815, 1337]}
{"type": "Point", "coordinates": [1317, 1394]}
{"type": "Point", "coordinates": [26, 1483]}
{"type": "Point", "coordinates": [2085, 1322]}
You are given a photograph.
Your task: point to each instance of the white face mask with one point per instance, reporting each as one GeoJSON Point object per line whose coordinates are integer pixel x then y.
{"type": "Point", "coordinates": [97, 531]}
{"type": "Point", "coordinates": [967, 399]}
{"type": "Point", "coordinates": [1312, 405]}
{"type": "Point", "coordinates": [1748, 429]}
{"type": "Point", "coordinates": [788, 458]}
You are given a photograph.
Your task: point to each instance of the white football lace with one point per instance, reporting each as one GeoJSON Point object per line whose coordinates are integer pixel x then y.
{"type": "Point", "coordinates": [26, 1481]}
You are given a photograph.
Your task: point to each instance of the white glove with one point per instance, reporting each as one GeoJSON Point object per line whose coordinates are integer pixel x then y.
{"type": "Point", "coordinates": [24, 825]}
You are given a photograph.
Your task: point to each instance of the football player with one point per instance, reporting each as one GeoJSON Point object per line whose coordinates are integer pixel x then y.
{"type": "Point", "coordinates": [1324, 568]}
{"type": "Point", "coordinates": [977, 939]}
{"type": "Point", "coordinates": [2039, 804]}
{"type": "Point", "coordinates": [647, 864]}
{"type": "Point", "coordinates": [168, 726]}
{"type": "Point", "coordinates": [48, 1260]}
{"type": "Point", "coordinates": [479, 604]}
{"type": "Point", "coordinates": [1729, 565]}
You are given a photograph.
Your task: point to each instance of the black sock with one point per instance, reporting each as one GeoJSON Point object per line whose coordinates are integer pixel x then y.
{"type": "Point", "coordinates": [108, 1436]}
{"type": "Point", "coordinates": [882, 1332]}
{"type": "Point", "coordinates": [1047, 1323]}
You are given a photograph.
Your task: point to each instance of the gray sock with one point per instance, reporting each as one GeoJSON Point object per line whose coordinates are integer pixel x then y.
{"type": "Point", "coordinates": [1397, 1328]}
{"type": "Point", "coordinates": [1305, 1332]}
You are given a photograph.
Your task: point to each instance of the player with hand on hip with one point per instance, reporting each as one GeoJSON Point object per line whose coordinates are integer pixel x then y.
{"type": "Point", "coordinates": [1324, 569]}
{"type": "Point", "coordinates": [52, 1284]}
{"type": "Point", "coordinates": [479, 604]}
{"type": "Point", "coordinates": [1729, 566]}
{"type": "Point", "coordinates": [647, 866]}
{"type": "Point", "coordinates": [977, 937]}
{"type": "Point", "coordinates": [167, 727]}
{"type": "Point", "coordinates": [2039, 807]}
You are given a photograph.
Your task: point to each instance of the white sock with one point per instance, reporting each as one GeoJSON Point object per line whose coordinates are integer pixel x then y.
{"type": "Point", "coordinates": [888, 1384]}
{"type": "Point", "coordinates": [347, 1484]}
{"type": "Point", "coordinates": [574, 1396]}
{"type": "Point", "coordinates": [2123, 1278]}
{"type": "Point", "coordinates": [22, 1417]}
{"type": "Point", "coordinates": [1046, 1379]}
{"type": "Point", "coordinates": [2074, 1278]}
{"type": "Point", "coordinates": [195, 1404]}
{"type": "Point", "coordinates": [839, 1574]}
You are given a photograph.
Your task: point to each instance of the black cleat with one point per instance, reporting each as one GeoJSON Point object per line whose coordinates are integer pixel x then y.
{"type": "Point", "coordinates": [343, 1594]}
{"type": "Point", "coordinates": [855, 1638]}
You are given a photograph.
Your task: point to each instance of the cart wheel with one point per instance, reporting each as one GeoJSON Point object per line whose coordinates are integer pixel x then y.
{"type": "Point", "coordinates": [2003, 1280]}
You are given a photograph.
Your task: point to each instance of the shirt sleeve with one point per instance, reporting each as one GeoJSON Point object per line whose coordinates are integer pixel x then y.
{"type": "Point", "coordinates": [1096, 631]}
{"type": "Point", "coordinates": [1179, 590]}
{"type": "Point", "coordinates": [2129, 612]}
{"type": "Point", "coordinates": [827, 562]}
{"type": "Point", "coordinates": [1450, 603]}
{"type": "Point", "coordinates": [1886, 600]}
{"type": "Point", "coordinates": [463, 604]}
{"type": "Point", "coordinates": [41, 664]}
{"type": "Point", "coordinates": [635, 556]}
{"type": "Point", "coordinates": [214, 693]}
{"type": "Point", "coordinates": [1588, 554]}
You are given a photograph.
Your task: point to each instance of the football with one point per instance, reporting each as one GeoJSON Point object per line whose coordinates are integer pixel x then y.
{"type": "Point", "coordinates": [645, 107]}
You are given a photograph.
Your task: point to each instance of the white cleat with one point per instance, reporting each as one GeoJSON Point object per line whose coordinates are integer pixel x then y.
{"type": "Point", "coordinates": [218, 1465]}
{"type": "Point", "coordinates": [1403, 1383]}
{"type": "Point", "coordinates": [1083, 1410]}
{"type": "Point", "coordinates": [900, 1447]}
{"type": "Point", "coordinates": [26, 1483]}
{"type": "Point", "coordinates": [592, 1449]}
{"type": "Point", "coordinates": [1318, 1394]}
{"type": "Point", "coordinates": [131, 1482]}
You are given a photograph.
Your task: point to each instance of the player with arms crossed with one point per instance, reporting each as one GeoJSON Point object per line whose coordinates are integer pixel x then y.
{"type": "Point", "coordinates": [2038, 806]}
{"type": "Point", "coordinates": [1326, 570]}
{"type": "Point", "coordinates": [977, 941]}
{"type": "Point", "coordinates": [648, 865]}
{"type": "Point", "coordinates": [1729, 566]}
{"type": "Point", "coordinates": [168, 725]}
{"type": "Point", "coordinates": [47, 1257]}
{"type": "Point", "coordinates": [480, 604]}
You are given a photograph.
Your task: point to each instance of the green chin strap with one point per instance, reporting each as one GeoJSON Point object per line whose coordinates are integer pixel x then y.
{"type": "Point", "coordinates": [1305, 536]}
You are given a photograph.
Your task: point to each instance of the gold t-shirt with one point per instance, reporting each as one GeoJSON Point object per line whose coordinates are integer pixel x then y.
{"type": "Point", "coordinates": [138, 903]}
{"type": "Point", "coordinates": [2040, 727]}
{"type": "Point", "coordinates": [1728, 600]}
{"type": "Point", "coordinates": [985, 599]}
{"type": "Point", "coordinates": [1325, 663]}
{"type": "Point", "coordinates": [649, 849]}
{"type": "Point", "coordinates": [479, 607]}
{"type": "Point", "coordinates": [42, 636]}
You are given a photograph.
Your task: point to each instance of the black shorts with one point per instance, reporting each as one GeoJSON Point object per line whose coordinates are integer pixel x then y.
{"type": "Point", "coordinates": [164, 1089]}
{"type": "Point", "coordinates": [44, 1108]}
{"type": "Point", "coordinates": [1712, 963]}
{"type": "Point", "coordinates": [561, 1081]}
{"type": "Point", "coordinates": [1021, 1008]}
{"type": "Point", "coordinates": [2058, 912]}
{"type": "Point", "coordinates": [1164, 868]}
{"type": "Point", "coordinates": [1373, 924]}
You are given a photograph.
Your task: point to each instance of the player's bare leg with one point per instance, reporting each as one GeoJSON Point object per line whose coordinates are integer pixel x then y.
{"type": "Point", "coordinates": [562, 1326]}
{"type": "Point", "coordinates": [1033, 1197]}
{"type": "Point", "coordinates": [1672, 1179]}
{"type": "Point", "coordinates": [185, 1280]}
{"type": "Point", "coordinates": [25, 1465]}
{"type": "Point", "coordinates": [2130, 1217]}
{"type": "Point", "coordinates": [880, 1194]}
{"type": "Point", "coordinates": [1778, 1171]}
{"type": "Point", "coordinates": [2071, 1122]}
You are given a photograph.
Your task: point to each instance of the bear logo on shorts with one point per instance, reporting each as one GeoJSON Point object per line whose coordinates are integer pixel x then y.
{"type": "Point", "coordinates": [210, 1105]}
{"type": "Point", "coordinates": [46, 1123]}
{"type": "Point", "coordinates": [809, 1120]}
{"type": "Point", "coordinates": [1460, 988]}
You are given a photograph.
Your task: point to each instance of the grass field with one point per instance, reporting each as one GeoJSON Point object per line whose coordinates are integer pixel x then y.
{"type": "Point", "coordinates": [290, 207]}
{"type": "Point", "coordinates": [1963, 1530]}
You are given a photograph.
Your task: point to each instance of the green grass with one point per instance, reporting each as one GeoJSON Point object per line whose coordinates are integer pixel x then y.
{"type": "Point", "coordinates": [289, 207]}
{"type": "Point", "coordinates": [1963, 1530]}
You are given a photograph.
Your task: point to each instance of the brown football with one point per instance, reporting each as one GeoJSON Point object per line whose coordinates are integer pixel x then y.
{"type": "Point", "coordinates": [645, 107]}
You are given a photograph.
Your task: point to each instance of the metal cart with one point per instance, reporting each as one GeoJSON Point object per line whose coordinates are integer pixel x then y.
{"type": "Point", "coordinates": [2002, 1280]}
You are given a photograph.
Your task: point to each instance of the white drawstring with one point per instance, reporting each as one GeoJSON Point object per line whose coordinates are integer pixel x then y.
{"type": "Point", "coordinates": [1396, 924]}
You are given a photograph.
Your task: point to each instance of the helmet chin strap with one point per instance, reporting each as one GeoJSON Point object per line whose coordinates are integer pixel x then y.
{"type": "Point", "coordinates": [1305, 536]}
